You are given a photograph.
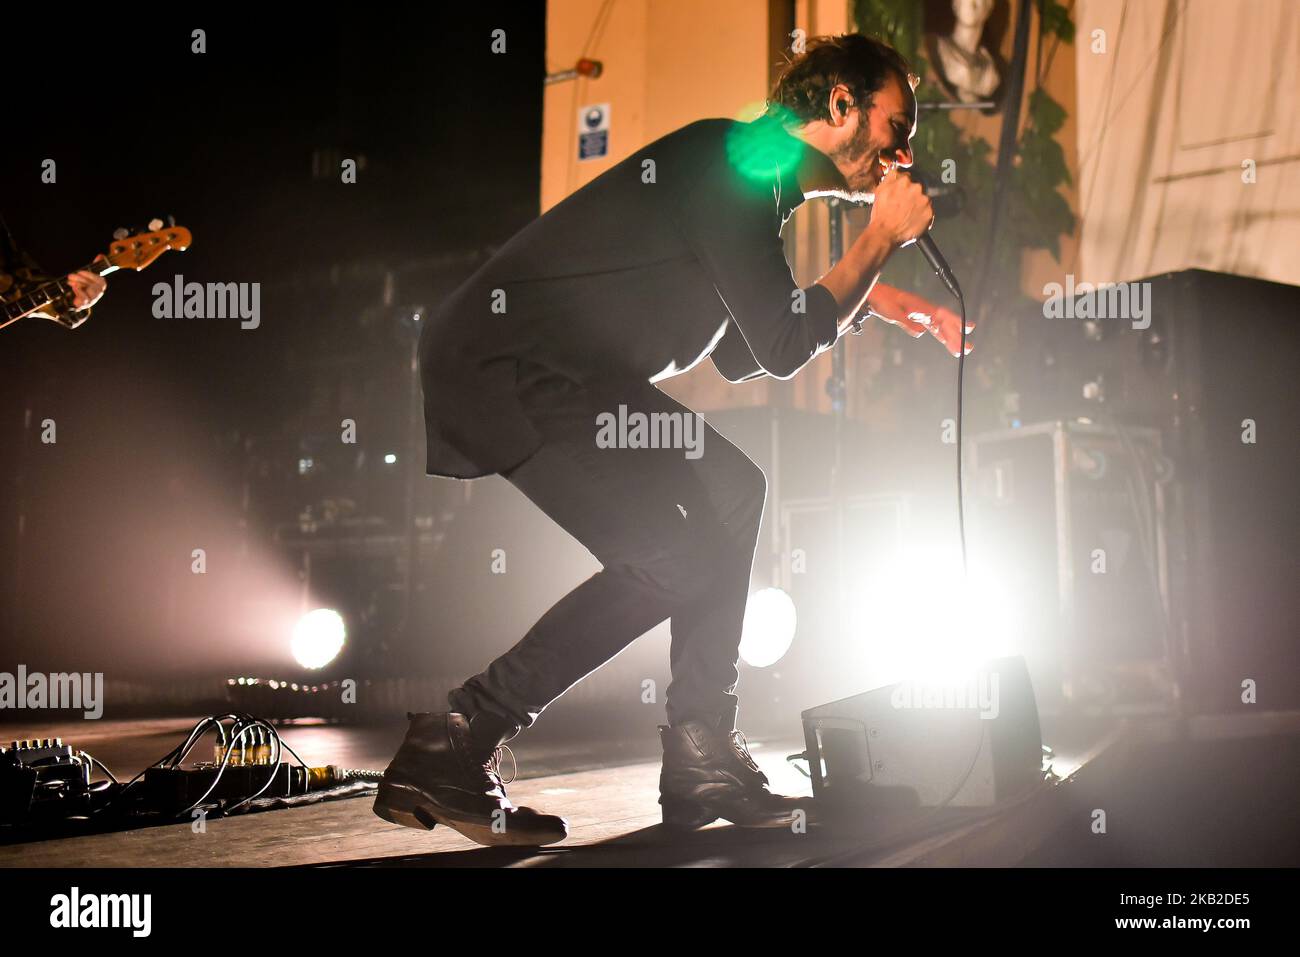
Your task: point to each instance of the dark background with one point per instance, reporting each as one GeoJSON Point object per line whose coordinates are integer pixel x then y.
{"type": "Point", "coordinates": [180, 433]}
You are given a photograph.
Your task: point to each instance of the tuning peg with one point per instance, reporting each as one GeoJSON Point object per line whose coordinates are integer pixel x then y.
{"type": "Point", "coordinates": [155, 225]}
{"type": "Point", "coordinates": [121, 233]}
{"type": "Point", "coordinates": [171, 221]}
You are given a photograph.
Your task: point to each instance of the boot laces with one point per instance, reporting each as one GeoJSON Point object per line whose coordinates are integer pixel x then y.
{"type": "Point", "coordinates": [741, 745]}
{"type": "Point", "coordinates": [493, 765]}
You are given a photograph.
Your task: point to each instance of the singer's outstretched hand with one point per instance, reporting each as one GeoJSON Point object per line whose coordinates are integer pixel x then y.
{"type": "Point", "coordinates": [917, 316]}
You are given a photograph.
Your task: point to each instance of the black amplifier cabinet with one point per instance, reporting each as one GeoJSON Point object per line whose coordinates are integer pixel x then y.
{"type": "Point", "coordinates": [1215, 372]}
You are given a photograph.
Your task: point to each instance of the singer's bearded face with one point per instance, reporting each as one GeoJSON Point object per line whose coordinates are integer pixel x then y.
{"type": "Point", "coordinates": [876, 138]}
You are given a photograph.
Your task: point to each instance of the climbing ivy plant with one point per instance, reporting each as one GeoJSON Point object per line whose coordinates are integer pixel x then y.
{"type": "Point", "coordinates": [1034, 216]}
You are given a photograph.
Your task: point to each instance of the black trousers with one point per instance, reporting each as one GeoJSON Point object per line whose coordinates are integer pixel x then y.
{"type": "Point", "coordinates": [675, 535]}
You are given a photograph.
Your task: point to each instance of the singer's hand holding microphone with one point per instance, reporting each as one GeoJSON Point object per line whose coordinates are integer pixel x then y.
{"type": "Point", "coordinates": [902, 212]}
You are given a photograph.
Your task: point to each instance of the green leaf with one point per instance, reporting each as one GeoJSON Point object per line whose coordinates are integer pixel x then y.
{"type": "Point", "coordinates": [1056, 20]}
{"type": "Point", "coordinates": [897, 22]}
{"type": "Point", "coordinates": [1045, 113]}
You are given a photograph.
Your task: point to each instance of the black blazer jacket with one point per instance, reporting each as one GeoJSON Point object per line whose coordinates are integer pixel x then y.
{"type": "Point", "coordinates": [670, 256]}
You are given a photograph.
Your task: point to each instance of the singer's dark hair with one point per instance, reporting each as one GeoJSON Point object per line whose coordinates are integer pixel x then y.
{"type": "Point", "coordinates": [860, 62]}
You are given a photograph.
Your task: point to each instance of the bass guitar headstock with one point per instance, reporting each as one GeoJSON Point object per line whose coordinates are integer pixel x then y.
{"type": "Point", "coordinates": [140, 249]}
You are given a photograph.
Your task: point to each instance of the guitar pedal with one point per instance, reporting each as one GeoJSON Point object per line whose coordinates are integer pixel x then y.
{"type": "Point", "coordinates": [35, 773]}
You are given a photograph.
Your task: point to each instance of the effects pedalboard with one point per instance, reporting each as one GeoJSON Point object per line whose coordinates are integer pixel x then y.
{"type": "Point", "coordinates": [43, 781]}
{"type": "Point", "coordinates": [181, 787]}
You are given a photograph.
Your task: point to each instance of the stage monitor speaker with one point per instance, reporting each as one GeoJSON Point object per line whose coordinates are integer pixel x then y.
{"type": "Point", "coordinates": [916, 744]}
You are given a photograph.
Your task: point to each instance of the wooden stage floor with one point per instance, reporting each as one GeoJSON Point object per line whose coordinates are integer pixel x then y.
{"type": "Point", "coordinates": [607, 791]}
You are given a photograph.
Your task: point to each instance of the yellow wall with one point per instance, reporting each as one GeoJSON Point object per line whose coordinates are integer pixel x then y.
{"type": "Point", "coordinates": [667, 63]}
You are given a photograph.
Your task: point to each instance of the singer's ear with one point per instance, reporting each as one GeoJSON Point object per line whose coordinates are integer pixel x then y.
{"type": "Point", "coordinates": [840, 100]}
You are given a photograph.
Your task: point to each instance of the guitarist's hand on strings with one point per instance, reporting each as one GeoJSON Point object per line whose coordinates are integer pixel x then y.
{"type": "Point", "coordinates": [87, 287]}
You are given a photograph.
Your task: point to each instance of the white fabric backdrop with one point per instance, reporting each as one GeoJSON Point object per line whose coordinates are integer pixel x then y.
{"type": "Point", "coordinates": [1185, 92]}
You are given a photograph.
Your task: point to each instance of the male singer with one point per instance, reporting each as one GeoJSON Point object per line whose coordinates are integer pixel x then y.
{"type": "Point", "coordinates": [672, 255]}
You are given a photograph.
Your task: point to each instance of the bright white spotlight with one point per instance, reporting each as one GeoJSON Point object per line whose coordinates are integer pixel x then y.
{"type": "Point", "coordinates": [920, 619]}
{"type": "Point", "coordinates": [770, 622]}
{"type": "Point", "coordinates": [318, 638]}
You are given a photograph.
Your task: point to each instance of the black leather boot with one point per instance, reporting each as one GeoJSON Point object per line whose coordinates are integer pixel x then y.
{"type": "Point", "coordinates": [449, 772]}
{"type": "Point", "coordinates": [709, 774]}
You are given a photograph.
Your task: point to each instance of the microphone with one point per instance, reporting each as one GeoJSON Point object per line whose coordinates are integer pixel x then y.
{"type": "Point", "coordinates": [924, 243]}
{"type": "Point", "coordinates": [930, 251]}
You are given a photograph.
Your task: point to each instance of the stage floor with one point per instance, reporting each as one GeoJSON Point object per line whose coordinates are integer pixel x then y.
{"type": "Point", "coordinates": [1214, 791]}
{"type": "Point", "coordinates": [606, 789]}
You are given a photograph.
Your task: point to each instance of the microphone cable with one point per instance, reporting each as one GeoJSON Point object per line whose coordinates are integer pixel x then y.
{"type": "Point", "coordinates": [961, 493]}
